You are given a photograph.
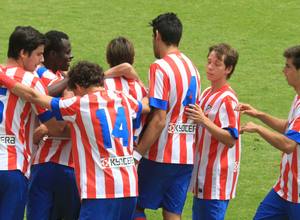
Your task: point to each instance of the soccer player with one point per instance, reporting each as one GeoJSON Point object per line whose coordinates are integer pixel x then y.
{"type": "Point", "coordinates": [101, 132]}
{"type": "Point", "coordinates": [168, 140]}
{"type": "Point", "coordinates": [120, 50]}
{"type": "Point", "coordinates": [283, 201]}
{"type": "Point", "coordinates": [25, 53]}
{"type": "Point", "coordinates": [218, 147]}
{"type": "Point", "coordinates": [52, 192]}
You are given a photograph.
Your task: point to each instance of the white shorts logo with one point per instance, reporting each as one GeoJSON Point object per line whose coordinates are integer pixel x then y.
{"type": "Point", "coordinates": [111, 162]}
{"type": "Point", "coordinates": [7, 139]}
{"type": "Point", "coordinates": [181, 128]}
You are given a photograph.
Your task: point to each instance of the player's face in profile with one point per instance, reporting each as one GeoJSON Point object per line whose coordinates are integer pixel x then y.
{"type": "Point", "coordinates": [291, 73]}
{"type": "Point", "coordinates": [30, 62]}
{"type": "Point", "coordinates": [64, 57]}
{"type": "Point", "coordinates": [155, 46]}
{"type": "Point", "coordinates": [215, 68]}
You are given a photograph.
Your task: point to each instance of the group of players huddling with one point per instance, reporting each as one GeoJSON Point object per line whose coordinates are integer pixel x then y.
{"type": "Point", "coordinates": [99, 145]}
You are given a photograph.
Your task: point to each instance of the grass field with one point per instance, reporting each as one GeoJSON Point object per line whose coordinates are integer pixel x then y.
{"type": "Point", "coordinates": [259, 29]}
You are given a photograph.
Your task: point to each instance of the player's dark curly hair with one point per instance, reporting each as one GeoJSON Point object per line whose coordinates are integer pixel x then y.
{"type": "Point", "coordinates": [119, 50]}
{"type": "Point", "coordinates": [85, 74]}
{"type": "Point", "coordinates": [54, 41]}
{"type": "Point", "coordinates": [294, 54]}
{"type": "Point", "coordinates": [24, 38]}
{"type": "Point", "coordinates": [169, 27]}
{"type": "Point", "coordinates": [231, 56]}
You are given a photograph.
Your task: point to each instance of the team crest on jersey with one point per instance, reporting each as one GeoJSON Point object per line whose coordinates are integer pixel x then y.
{"type": "Point", "coordinates": [208, 107]}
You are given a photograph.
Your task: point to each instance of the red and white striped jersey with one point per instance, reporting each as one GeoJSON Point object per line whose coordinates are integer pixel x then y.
{"type": "Point", "coordinates": [47, 76]}
{"type": "Point", "coordinates": [102, 143]}
{"type": "Point", "coordinates": [15, 115]}
{"type": "Point", "coordinates": [53, 149]}
{"type": "Point", "coordinates": [174, 82]}
{"type": "Point", "coordinates": [134, 88]}
{"type": "Point", "coordinates": [216, 168]}
{"type": "Point", "coordinates": [288, 184]}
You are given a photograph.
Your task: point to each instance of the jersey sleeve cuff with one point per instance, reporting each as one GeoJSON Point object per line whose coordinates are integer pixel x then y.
{"type": "Point", "coordinates": [46, 116]}
{"type": "Point", "coordinates": [233, 132]}
{"type": "Point", "coordinates": [158, 103]}
{"type": "Point", "coordinates": [55, 109]}
{"type": "Point", "coordinates": [293, 135]}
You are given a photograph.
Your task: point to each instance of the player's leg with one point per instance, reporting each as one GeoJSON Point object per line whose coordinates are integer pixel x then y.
{"type": "Point", "coordinates": [107, 209]}
{"type": "Point", "coordinates": [293, 210]}
{"type": "Point", "coordinates": [66, 196]}
{"type": "Point", "coordinates": [273, 207]}
{"type": "Point", "coordinates": [151, 190]}
{"type": "Point", "coordinates": [175, 191]}
{"type": "Point", "coordinates": [209, 209]}
{"type": "Point", "coordinates": [13, 195]}
{"type": "Point", "coordinates": [40, 192]}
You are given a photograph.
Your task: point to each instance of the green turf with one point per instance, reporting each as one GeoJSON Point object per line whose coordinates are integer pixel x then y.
{"type": "Point", "coordinates": [259, 29]}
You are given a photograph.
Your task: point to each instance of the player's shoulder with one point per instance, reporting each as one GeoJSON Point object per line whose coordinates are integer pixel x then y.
{"type": "Point", "coordinates": [229, 95]}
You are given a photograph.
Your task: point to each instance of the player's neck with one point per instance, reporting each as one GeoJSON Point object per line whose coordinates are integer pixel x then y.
{"type": "Point", "coordinates": [217, 85]}
{"type": "Point", "coordinates": [93, 89]}
{"type": "Point", "coordinates": [297, 89]}
{"type": "Point", "coordinates": [50, 66]}
{"type": "Point", "coordinates": [168, 50]}
{"type": "Point", "coordinates": [15, 63]}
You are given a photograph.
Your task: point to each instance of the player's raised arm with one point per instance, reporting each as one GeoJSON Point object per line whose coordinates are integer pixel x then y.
{"type": "Point", "coordinates": [273, 122]}
{"type": "Point", "coordinates": [124, 69]}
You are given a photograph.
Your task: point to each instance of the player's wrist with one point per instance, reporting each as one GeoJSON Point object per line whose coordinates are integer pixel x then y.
{"type": "Point", "coordinates": [136, 155]}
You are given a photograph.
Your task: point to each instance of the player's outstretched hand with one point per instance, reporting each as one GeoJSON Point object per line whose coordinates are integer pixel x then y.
{"type": "Point", "coordinates": [194, 112]}
{"type": "Point", "coordinates": [247, 109]}
{"type": "Point", "coordinates": [249, 127]}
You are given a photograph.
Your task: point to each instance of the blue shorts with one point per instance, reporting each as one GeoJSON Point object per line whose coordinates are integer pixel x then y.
{"type": "Point", "coordinates": [273, 207]}
{"type": "Point", "coordinates": [53, 193]}
{"type": "Point", "coordinates": [163, 185]}
{"type": "Point", "coordinates": [108, 209]}
{"type": "Point", "coordinates": [204, 209]}
{"type": "Point", "coordinates": [13, 194]}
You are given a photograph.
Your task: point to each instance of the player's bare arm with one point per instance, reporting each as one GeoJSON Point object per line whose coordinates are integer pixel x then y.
{"type": "Point", "coordinates": [33, 96]}
{"type": "Point", "coordinates": [58, 88]}
{"type": "Point", "coordinates": [195, 113]}
{"type": "Point", "coordinates": [273, 122]}
{"type": "Point", "coordinates": [123, 69]}
{"type": "Point", "coordinates": [276, 139]}
{"type": "Point", "coordinates": [153, 130]}
{"type": "Point", "coordinates": [145, 103]}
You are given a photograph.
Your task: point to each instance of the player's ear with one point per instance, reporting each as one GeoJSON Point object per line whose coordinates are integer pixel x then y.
{"type": "Point", "coordinates": [157, 35]}
{"type": "Point", "coordinates": [23, 53]}
{"type": "Point", "coordinates": [228, 70]}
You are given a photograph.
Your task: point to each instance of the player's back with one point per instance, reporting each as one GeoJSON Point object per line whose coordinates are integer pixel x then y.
{"type": "Point", "coordinates": [136, 89]}
{"type": "Point", "coordinates": [174, 82]}
{"type": "Point", "coordinates": [103, 142]}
